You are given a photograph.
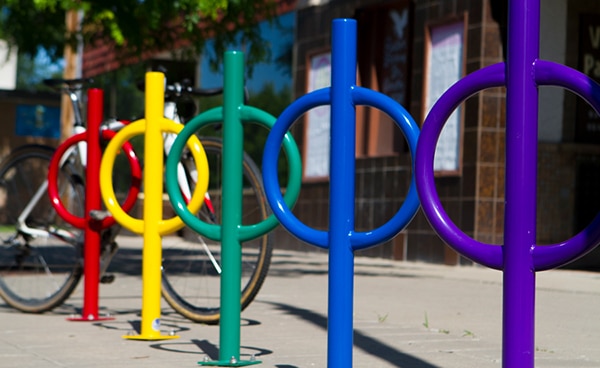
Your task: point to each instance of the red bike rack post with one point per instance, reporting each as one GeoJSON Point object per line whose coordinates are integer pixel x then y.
{"type": "Point", "coordinates": [91, 249]}
{"type": "Point", "coordinates": [92, 227]}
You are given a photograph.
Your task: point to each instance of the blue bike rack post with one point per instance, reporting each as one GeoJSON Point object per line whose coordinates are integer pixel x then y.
{"type": "Point", "coordinates": [519, 257]}
{"type": "Point", "coordinates": [341, 240]}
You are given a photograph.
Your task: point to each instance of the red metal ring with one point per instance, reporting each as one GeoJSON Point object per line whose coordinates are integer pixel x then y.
{"type": "Point", "coordinates": [81, 222]}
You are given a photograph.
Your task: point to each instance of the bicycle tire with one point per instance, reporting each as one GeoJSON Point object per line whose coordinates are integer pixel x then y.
{"type": "Point", "coordinates": [190, 283]}
{"type": "Point", "coordinates": [38, 273]}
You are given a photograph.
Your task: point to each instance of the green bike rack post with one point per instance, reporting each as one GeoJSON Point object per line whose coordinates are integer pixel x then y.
{"type": "Point", "coordinates": [231, 232]}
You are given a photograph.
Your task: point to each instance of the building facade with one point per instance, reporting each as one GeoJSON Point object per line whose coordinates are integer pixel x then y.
{"type": "Point", "coordinates": [411, 51]}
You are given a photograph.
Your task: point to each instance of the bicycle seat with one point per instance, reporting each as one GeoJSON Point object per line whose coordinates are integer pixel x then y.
{"type": "Point", "coordinates": [76, 83]}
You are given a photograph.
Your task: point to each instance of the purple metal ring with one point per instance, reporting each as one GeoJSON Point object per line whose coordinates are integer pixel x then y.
{"type": "Point", "coordinates": [544, 257]}
{"type": "Point", "coordinates": [486, 254]}
{"type": "Point", "coordinates": [551, 256]}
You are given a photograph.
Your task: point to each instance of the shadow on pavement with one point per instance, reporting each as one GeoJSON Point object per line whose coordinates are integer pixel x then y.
{"type": "Point", "coordinates": [366, 343]}
{"type": "Point", "coordinates": [208, 349]}
{"type": "Point", "coordinates": [283, 264]}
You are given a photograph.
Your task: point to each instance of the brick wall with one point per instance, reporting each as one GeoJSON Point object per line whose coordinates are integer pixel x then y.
{"type": "Point", "coordinates": [382, 182]}
{"type": "Point", "coordinates": [474, 199]}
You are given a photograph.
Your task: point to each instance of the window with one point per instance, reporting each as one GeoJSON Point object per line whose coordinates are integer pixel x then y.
{"type": "Point", "coordinates": [444, 66]}
{"type": "Point", "coordinates": [384, 55]}
{"type": "Point", "coordinates": [316, 150]}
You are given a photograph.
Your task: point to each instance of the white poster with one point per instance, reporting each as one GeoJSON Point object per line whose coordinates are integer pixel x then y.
{"type": "Point", "coordinates": [444, 68]}
{"type": "Point", "coordinates": [316, 156]}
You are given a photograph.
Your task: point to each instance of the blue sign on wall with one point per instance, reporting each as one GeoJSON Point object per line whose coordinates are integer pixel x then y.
{"type": "Point", "coordinates": [38, 121]}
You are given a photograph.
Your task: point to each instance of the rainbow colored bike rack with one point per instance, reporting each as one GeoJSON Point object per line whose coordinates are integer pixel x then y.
{"type": "Point", "coordinates": [341, 240]}
{"type": "Point", "coordinates": [519, 257]}
{"type": "Point", "coordinates": [152, 226]}
{"type": "Point", "coordinates": [231, 232]}
{"type": "Point", "coordinates": [92, 227]}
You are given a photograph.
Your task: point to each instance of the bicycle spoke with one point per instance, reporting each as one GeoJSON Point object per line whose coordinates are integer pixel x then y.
{"type": "Point", "coordinates": [212, 258]}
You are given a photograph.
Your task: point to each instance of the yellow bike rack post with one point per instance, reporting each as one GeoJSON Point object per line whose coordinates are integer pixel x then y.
{"type": "Point", "coordinates": [152, 226]}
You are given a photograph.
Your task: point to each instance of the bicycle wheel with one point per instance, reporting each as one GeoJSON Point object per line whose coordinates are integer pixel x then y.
{"type": "Point", "coordinates": [40, 255]}
{"type": "Point", "coordinates": [191, 264]}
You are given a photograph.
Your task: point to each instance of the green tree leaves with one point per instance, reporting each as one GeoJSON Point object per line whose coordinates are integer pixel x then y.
{"type": "Point", "coordinates": [135, 27]}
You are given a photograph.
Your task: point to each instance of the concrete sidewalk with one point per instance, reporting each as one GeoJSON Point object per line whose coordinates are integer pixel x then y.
{"type": "Point", "coordinates": [405, 315]}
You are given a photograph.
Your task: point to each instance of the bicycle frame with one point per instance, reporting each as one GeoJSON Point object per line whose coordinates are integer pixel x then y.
{"type": "Point", "coordinates": [22, 226]}
{"type": "Point", "coordinates": [170, 112]}
{"type": "Point", "coordinates": [37, 227]}
{"type": "Point", "coordinates": [78, 152]}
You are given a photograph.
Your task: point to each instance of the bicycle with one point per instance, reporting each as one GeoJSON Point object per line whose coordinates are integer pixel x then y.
{"type": "Point", "coordinates": [41, 255]}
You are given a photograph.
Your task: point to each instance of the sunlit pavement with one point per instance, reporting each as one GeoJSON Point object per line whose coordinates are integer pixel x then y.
{"type": "Point", "coordinates": [405, 315]}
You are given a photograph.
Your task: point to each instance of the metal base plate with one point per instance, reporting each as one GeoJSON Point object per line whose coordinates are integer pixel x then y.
{"type": "Point", "coordinates": [89, 318]}
{"type": "Point", "coordinates": [150, 337]}
{"type": "Point", "coordinates": [229, 363]}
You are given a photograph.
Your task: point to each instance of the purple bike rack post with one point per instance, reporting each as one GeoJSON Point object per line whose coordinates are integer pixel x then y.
{"type": "Point", "coordinates": [341, 240]}
{"type": "Point", "coordinates": [519, 257]}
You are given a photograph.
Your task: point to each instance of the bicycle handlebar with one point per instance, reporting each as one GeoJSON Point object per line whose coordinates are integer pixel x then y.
{"type": "Point", "coordinates": [180, 89]}
{"type": "Point", "coordinates": [67, 84]}
{"type": "Point", "coordinates": [183, 88]}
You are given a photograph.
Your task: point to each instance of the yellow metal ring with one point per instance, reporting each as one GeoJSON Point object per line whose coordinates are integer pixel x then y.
{"type": "Point", "coordinates": [136, 128]}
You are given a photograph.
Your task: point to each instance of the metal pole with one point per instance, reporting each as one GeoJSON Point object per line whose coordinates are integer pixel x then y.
{"type": "Point", "coordinates": [91, 256]}
{"type": "Point", "coordinates": [152, 226]}
{"type": "Point", "coordinates": [521, 178]}
{"type": "Point", "coordinates": [341, 194]}
{"type": "Point", "coordinates": [231, 249]}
